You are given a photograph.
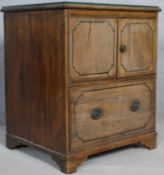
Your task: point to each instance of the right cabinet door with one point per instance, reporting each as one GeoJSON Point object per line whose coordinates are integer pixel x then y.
{"type": "Point", "coordinates": [137, 47]}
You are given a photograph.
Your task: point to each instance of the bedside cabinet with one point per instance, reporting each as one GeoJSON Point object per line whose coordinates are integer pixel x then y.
{"type": "Point", "coordinates": [80, 78]}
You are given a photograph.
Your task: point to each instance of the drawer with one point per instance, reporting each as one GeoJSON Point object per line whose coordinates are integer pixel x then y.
{"type": "Point", "coordinates": [105, 112]}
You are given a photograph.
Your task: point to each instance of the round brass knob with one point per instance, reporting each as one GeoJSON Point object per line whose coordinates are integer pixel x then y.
{"type": "Point", "coordinates": [96, 113]}
{"type": "Point", "coordinates": [123, 48]}
{"type": "Point", "coordinates": [135, 106]}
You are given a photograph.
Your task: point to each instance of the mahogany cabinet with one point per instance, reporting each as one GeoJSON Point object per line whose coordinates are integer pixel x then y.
{"type": "Point", "coordinates": [80, 78]}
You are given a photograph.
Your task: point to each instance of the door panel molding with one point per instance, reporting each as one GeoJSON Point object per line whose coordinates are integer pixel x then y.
{"type": "Point", "coordinates": [82, 96]}
{"type": "Point", "coordinates": [136, 61]}
{"type": "Point", "coordinates": [104, 49]}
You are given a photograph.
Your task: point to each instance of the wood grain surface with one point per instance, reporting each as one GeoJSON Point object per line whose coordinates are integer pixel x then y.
{"type": "Point", "coordinates": [95, 54]}
{"type": "Point", "coordinates": [64, 67]}
{"type": "Point", "coordinates": [115, 101]}
{"type": "Point", "coordinates": [139, 38]}
{"type": "Point", "coordinates": [35, 78]}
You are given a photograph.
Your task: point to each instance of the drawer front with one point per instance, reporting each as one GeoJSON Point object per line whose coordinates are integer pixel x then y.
{"type": "Point", "coordinates": [110, 111]}
{"type": "Point", "coordinates": [92, 47]}
{"type": "Point", "coordinates": [137, 47]}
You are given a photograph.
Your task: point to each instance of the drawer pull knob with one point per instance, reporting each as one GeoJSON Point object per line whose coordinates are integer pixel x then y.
{"type": "Point", "coordinates": [96, 113]}
{"type": "Point", "coordinates": [123, 48]}
{"type": "Point", "coordinates": [135, 106]}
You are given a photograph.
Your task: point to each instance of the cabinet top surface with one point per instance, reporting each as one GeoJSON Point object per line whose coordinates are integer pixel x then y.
{"type": "Point", "coordinates": [79, 5]}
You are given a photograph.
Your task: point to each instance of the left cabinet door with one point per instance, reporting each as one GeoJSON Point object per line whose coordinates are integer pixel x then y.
{"type": "Point", "coordinates": [92, 47]}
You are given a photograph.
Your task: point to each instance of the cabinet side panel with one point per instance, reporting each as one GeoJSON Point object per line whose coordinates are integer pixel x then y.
{"type": "Point", "coordinates": [35, 77]}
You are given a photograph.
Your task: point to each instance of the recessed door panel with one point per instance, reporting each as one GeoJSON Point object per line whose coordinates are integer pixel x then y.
{"type": "Point", "coordinates": [92, 47]}
{"type": "Point", "coordinates": [137, 47]}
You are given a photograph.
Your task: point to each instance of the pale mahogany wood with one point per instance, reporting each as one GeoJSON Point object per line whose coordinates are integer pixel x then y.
{"type": "Point", "coordinates": [117, 116]}
{"type": "Point", "coordinates": [61, 64]}
{"type": "Point", "coordinates": [150, 142]}
{"type": "Point", "coordinates": [115, 101]}
{"type": "Point", "coordinates": [147, 139]}
{"type": "Point", "coordinates": [114, 13]}
{"type": "Point", "coordinates": [95, 56]}
{"type": "Point", "coordinates": [92, 47]}
{"type": "Point", "coordinates": [139, 37]}
{"type": "Point", "coordinates": [69, 166]}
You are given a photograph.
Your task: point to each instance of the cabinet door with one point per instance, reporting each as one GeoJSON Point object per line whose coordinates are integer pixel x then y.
{"type": "Point", "coordinates": [137, 47]}
{"type": "Point", "coordinates": [92, 47]}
